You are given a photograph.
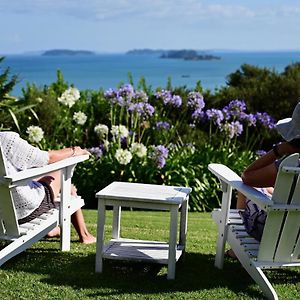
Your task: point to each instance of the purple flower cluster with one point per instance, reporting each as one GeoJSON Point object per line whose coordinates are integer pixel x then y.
{"type": "Point", "coordinates": [215, 115]}
{"type": "Point", "coordinates": [232, 129]}
{"type": "Point", "coordinates": [195, 100]}
{"type": "Point", "coordinates": [168, 98]}
{"type": "Point", "coordinates": [250, 120]}
{"type": "Point", "coordinates": [266, 120]}
{"type": "Point", "coordinates": [162, 125]}
{"type": "Point", "coordinates": [134, 101]}
{"type": "Point", "coordinates": [97, 151]}
{"type": "Point", "coordinates": [159, 155]}
{"type": "Point", "coordinates": [236, 111]}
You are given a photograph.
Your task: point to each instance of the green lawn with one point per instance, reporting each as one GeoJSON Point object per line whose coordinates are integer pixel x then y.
{"type": "Point", "coordinates": [43, 272]}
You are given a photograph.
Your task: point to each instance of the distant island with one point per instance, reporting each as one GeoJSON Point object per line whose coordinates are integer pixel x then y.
{"type": "Point", "coordinates": [61, 52]}
{"type": "Point", "coordinates": [146, 52]}
{"type": "Point", "coordinates": [175, 54]}
{"type": "Point", "coordinates": [188, 55]}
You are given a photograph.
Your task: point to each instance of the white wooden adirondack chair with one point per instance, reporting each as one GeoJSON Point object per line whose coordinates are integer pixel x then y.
{"type": "Point", "coordinates": [20, 237]}
{"type": "Point", "coordinates": [280, 244]}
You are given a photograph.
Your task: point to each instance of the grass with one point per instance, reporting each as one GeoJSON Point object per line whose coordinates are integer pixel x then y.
{"type": "Point", "coordinates": [44, 272]}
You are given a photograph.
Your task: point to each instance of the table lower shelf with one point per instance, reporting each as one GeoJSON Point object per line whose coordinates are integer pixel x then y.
{"type": "Point", "coordinates": [138, 250]}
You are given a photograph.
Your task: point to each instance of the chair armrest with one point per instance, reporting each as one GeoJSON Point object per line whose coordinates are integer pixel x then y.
{"type": "Point", "coordinates": [37, 172]}
{"type": "Point", "coordinates": [228, 176]}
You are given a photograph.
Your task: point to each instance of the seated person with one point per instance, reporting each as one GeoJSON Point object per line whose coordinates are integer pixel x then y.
{"type": "Point", "coordinates": [38, 196]}
{"type": "Point", "coordinates": [262, 174]}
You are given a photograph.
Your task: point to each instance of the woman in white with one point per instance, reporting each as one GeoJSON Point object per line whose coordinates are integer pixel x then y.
{"type": "Point", "coordinates": [38, 195]}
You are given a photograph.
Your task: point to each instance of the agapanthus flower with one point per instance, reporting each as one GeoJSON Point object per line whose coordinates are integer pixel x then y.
{"type": "Point", "coordinates": [97, 151]}
{"type": "Point", "coordinates": [79, 117]}
{"type": "Point", "coordinates": [162, 125]}
{"type": "Point", "coordinates": [35, 134]}
{"type": "Point", "coordinates": [235, 109]}
{"type": "Point", "coordinates": [119, 131]}
{"type": "Point", "coordinates": [198, 114]}
{"type": "Point", "coordinates": [195, 101]}
{"type": "Point", "coordinates": [215, 115]}
{"type": "Point", "coordinates": [140, 96]}
{"type": "Point", "coordinates": [266, 120]}
{"type": "Point", "coordinates": [250, 119]}
{"type": "Point", "coordinates": [232, 129]}
{"type": "Point", "coordinates": [176, 101]}
{"type": "Point", "coordinates": [138, 149]}
{"type": "Point", "coordinates": [101, 130]}
{"type": "Point", "coordinates": [69, 97]}
{"type": "Point", "coordinates": [165, 95]}
{"type": "Point", "coordinates": [126, 91]}
{"type": "Point", "coordinates": [123, 156]}
{"type": "Point", "coordinates": [159, 155]}
{"type": "Point", "coordinates": [111, 95]}
{"type": "Point", "coordinates": [148, 110]}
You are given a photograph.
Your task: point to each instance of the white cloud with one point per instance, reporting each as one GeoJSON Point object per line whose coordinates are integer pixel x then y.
{"type": "Point", "coordinates": [156, 9]}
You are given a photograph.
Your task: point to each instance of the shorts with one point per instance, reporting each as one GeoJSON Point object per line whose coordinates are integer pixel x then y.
{"type": "Point", "coordinates": [46, 204]}
{"type": "Point", "coordinates": [254, 218]}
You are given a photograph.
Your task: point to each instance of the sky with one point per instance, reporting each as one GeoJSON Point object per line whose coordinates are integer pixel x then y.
{"type": "Point", "coordinates": [115, 26]}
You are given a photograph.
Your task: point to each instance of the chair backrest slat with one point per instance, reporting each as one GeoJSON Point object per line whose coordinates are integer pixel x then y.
{"type": "Point", "coordinates": [276, 244]}
{"type": "Point", "coordinates": [293, 221]}
{"type": "Point", "coordinates": [8, 219]}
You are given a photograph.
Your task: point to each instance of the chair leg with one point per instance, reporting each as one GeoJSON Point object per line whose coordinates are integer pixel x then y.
{"type": "Point", "coordinates": [22, 243]}
{"type": "Point", "coordinates": [260, 278]}
{"type": "Point", "coordinates": [221, 239]}
{"type": "Point", "coordinates": [255, 272]}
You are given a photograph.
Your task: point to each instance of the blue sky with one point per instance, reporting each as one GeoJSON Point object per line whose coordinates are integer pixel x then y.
{"type": "Point", "coordinates": [121, 25]}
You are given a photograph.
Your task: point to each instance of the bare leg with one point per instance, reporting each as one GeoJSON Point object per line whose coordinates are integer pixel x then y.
{"type": "Point", "coordinates": [78, 222]}
{"type": "Point", "coordinates": [77, 218]}
{"type": "Point", "coordinates": [241, 201]}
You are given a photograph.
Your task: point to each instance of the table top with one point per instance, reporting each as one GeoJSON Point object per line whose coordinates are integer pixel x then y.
{"type": "Point", "coordinates": [128, 191]}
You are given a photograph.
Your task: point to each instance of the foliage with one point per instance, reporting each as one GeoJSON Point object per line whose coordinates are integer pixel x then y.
{"type": "Point", "coordinates": [263, 89]}
{"type": "Point", "coordinates": [163, 136]}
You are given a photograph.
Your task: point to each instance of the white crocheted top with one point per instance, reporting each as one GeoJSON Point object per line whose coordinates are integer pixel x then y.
{"type": "Point", "coordinates": [19, 155]}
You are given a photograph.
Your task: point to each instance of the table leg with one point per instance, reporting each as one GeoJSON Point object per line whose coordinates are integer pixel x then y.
{"type": "Point", "coordinates": [172, 242]}
{"type": "Point", "coordinates": [183, 223]}
{"type": "Point", "coordinates": [100, 236]}
{"type": "Point", "coordinates": [116, 222]}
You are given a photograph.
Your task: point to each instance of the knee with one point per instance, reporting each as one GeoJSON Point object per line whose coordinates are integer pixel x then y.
{"type": "Point", "coordinates": [247, 178]}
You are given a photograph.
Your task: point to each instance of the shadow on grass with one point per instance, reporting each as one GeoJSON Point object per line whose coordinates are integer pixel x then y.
{"type": "Point", "coordinates": [195, 273]}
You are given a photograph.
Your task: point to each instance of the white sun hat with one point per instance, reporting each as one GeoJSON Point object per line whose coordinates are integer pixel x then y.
{"type": "Point", "coordinates": [289, 128]}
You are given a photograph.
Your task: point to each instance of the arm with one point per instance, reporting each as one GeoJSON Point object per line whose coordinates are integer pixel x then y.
{"type": "Point", "coordinates": [57, 155]}
{"type": "Point", "coordinates": [262, 172]}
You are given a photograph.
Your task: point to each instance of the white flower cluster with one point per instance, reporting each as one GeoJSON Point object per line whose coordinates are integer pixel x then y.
{"type": "Point", "coordinates": [69, 97]}
{"type": "Point", "coordinates": [79, 117]}
{"type": "Point", "coordinates": [119, 131]}
{"type": "Point", "coordinates": [35, 134]}
{"type": "Point", "coordinates": [101, 130]}
{"type": "Point", "coordinates": [123, 156]}
{"type": "Point", "coordinates": [138, 149]}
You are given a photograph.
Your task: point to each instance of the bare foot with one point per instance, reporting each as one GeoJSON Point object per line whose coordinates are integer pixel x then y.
{"type": "Point", "coordinates": [55, 232]}
{"type": "Point", "coordinates": [87, 239]}
{"type": "Point", "coordinates": [230, 254]}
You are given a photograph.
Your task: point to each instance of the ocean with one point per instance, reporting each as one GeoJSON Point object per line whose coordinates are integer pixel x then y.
{"type": "Point", "coordinates": [109, 70]}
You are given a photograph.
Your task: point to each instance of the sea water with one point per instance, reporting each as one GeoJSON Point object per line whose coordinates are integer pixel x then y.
{"type": "Point", "coordinates": [109, 70]}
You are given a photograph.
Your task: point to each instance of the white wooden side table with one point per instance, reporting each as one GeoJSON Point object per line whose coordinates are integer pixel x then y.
{"type": "Point", "coordinates": [148, 196]}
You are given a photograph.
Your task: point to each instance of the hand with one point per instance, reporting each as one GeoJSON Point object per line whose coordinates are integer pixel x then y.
{"type": "Point", "coordinates": [79, 151]}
